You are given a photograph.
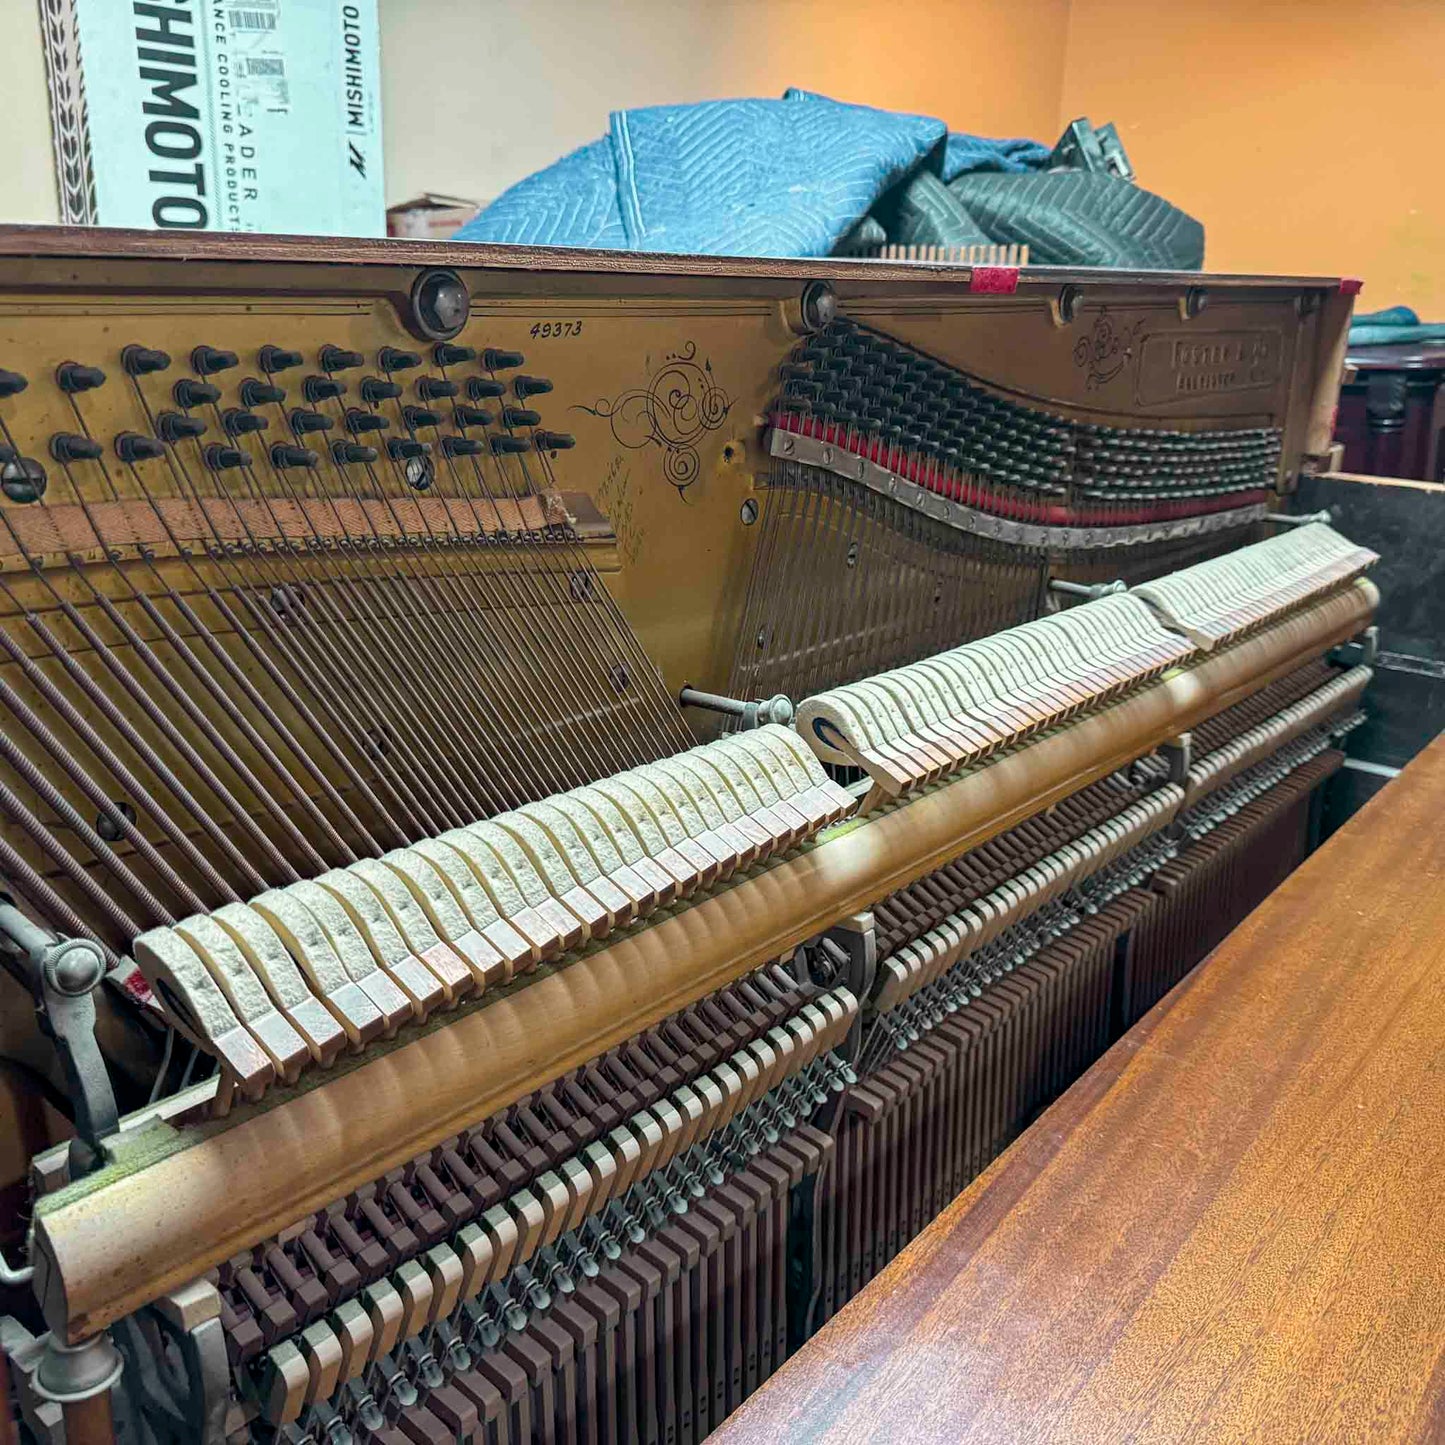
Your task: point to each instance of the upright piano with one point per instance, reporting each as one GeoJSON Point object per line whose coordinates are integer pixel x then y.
{"type": "Point", "coordinates": [555, 808]}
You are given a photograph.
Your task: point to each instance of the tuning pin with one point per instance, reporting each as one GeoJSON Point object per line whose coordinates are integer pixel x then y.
{"type": "Point", "coordinates": [131, 446]}
{"type": "Point", "coordinates": [364, 421]}
{"type": "Point", "coordinates": [419, 416]}
{"type": "Point", "coordinates": [143, 361]}
{"type": "Point", "coordinates": [525, 386]}
{"type": "Point", "coordinates": [445, 354]}
{"type": "Point", "coordinates": [174, 427]}
{"type": "Point", "coordinates": [519, 416]}
{"type": "Point", "coordinates": [495, 360]}
{"type": "Point", "coordinates": [207, 360]}
{"type": "Point", "coordinates": [465, 415]}
{"type": "Point", "coordinates": [242, 423]}
{"type": "Point", "coordinates": [374, 390]}
{"type": "Point", "coordinates": [73, 378]}
{"type": "Point", "coordinates": [346, 453]}
{"type": "Point", "coordinates": [505, 445]}
{"type": "Point", "coordinates": [260, 393]}
{"type": "Point", "coordinates": [303, 421]}
{"type": "Point", "coordinates": [71, 447]}
{"type": "Point", "coordinates": [273, 359]}
{"type": "Point", "coordinates": [321, 388]}
{"type": "Point", "coordinates": [334, 358]}
{"type": "Point", "coordinates": [284, 457]}
{"type": "Point", "coordinates": [462, 447]}
{"type": "Point", "coordinates": [481, 388]}
{"type": "Point", "coordinates": [190, 393]}
{"type": "Point", "coordinates": [226, 459]}
{"type": "Point", "coordinates": [390, 359]}
{"type": "Point", "coordinates": [553, 441]}
{"type": "Point", "coordinates": [432, 388]}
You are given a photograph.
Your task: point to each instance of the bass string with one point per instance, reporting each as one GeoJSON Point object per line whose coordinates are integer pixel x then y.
{"type": "Point", "coordinates": [68, 759]}
{"type": "Point", "coordinates": [593, 642]}
{"type": "Point", "coordinates": [334, 647]}
{"type": "Point", "coordinates": [511, 596]}
{"type": "Point", "coordinates": [517, 609]}
{"type": "Point", "coordinates": [663, 715]}
{"type": "Point", "coordinates": [179, 695]}
{"type": "Point", "coordinates": [182, 651]}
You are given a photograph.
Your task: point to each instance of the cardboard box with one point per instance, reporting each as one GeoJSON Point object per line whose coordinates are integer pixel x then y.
{"type": "Point", "coordinates": [430, 217]}
{"type": "Point", "coordinates": [223, 115]}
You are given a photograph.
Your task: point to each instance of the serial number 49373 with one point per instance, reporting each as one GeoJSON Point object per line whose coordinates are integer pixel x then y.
{"type": "Point", "coordinates": [545, 329]}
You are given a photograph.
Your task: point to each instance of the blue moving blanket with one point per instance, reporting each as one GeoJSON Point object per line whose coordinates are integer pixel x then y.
{"type": "Point", "coordinates": [1393, 327]}
{"type": "Point", "coordinates": [788, 177]}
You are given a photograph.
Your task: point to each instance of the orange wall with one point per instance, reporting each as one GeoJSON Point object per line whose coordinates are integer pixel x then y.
{"type": "Point", "coordinates": [1304, 134]}
{"type": "Point", "coordinates": [994, 67]}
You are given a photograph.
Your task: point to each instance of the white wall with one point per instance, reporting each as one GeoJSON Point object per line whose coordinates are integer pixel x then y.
{"type": "Point", "coordinates": [27, 162]}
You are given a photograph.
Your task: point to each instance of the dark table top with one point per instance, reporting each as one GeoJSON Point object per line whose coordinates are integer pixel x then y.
{"type": "Point", "coordinates": [1408, 356]}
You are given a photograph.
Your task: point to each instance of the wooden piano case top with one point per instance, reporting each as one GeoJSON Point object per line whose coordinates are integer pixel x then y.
{"type": "Point", "coordinates": [1229, 1229]}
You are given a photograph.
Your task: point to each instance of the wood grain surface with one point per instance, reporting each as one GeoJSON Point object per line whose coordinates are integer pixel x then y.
{"type": "Point", "coordinates": [1231, 1229]}
{"type": "Point", "coordinates": [349, 250]}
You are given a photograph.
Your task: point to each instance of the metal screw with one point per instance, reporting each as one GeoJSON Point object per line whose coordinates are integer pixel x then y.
{"type": "Point", "coordinates": [108, 828]}
{"type": "Point", "coordinates": [74, 967]}
{"type": "Point", "coordinates": [819, 305]}
{"type": "Point", "coordinates": [778, 709]}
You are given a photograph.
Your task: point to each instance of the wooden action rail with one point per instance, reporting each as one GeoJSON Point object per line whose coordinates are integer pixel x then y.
{"type": "Point", "coordinates": [181, 1202]}
{"type": "Point", "coordinates": [1229, 1229]}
